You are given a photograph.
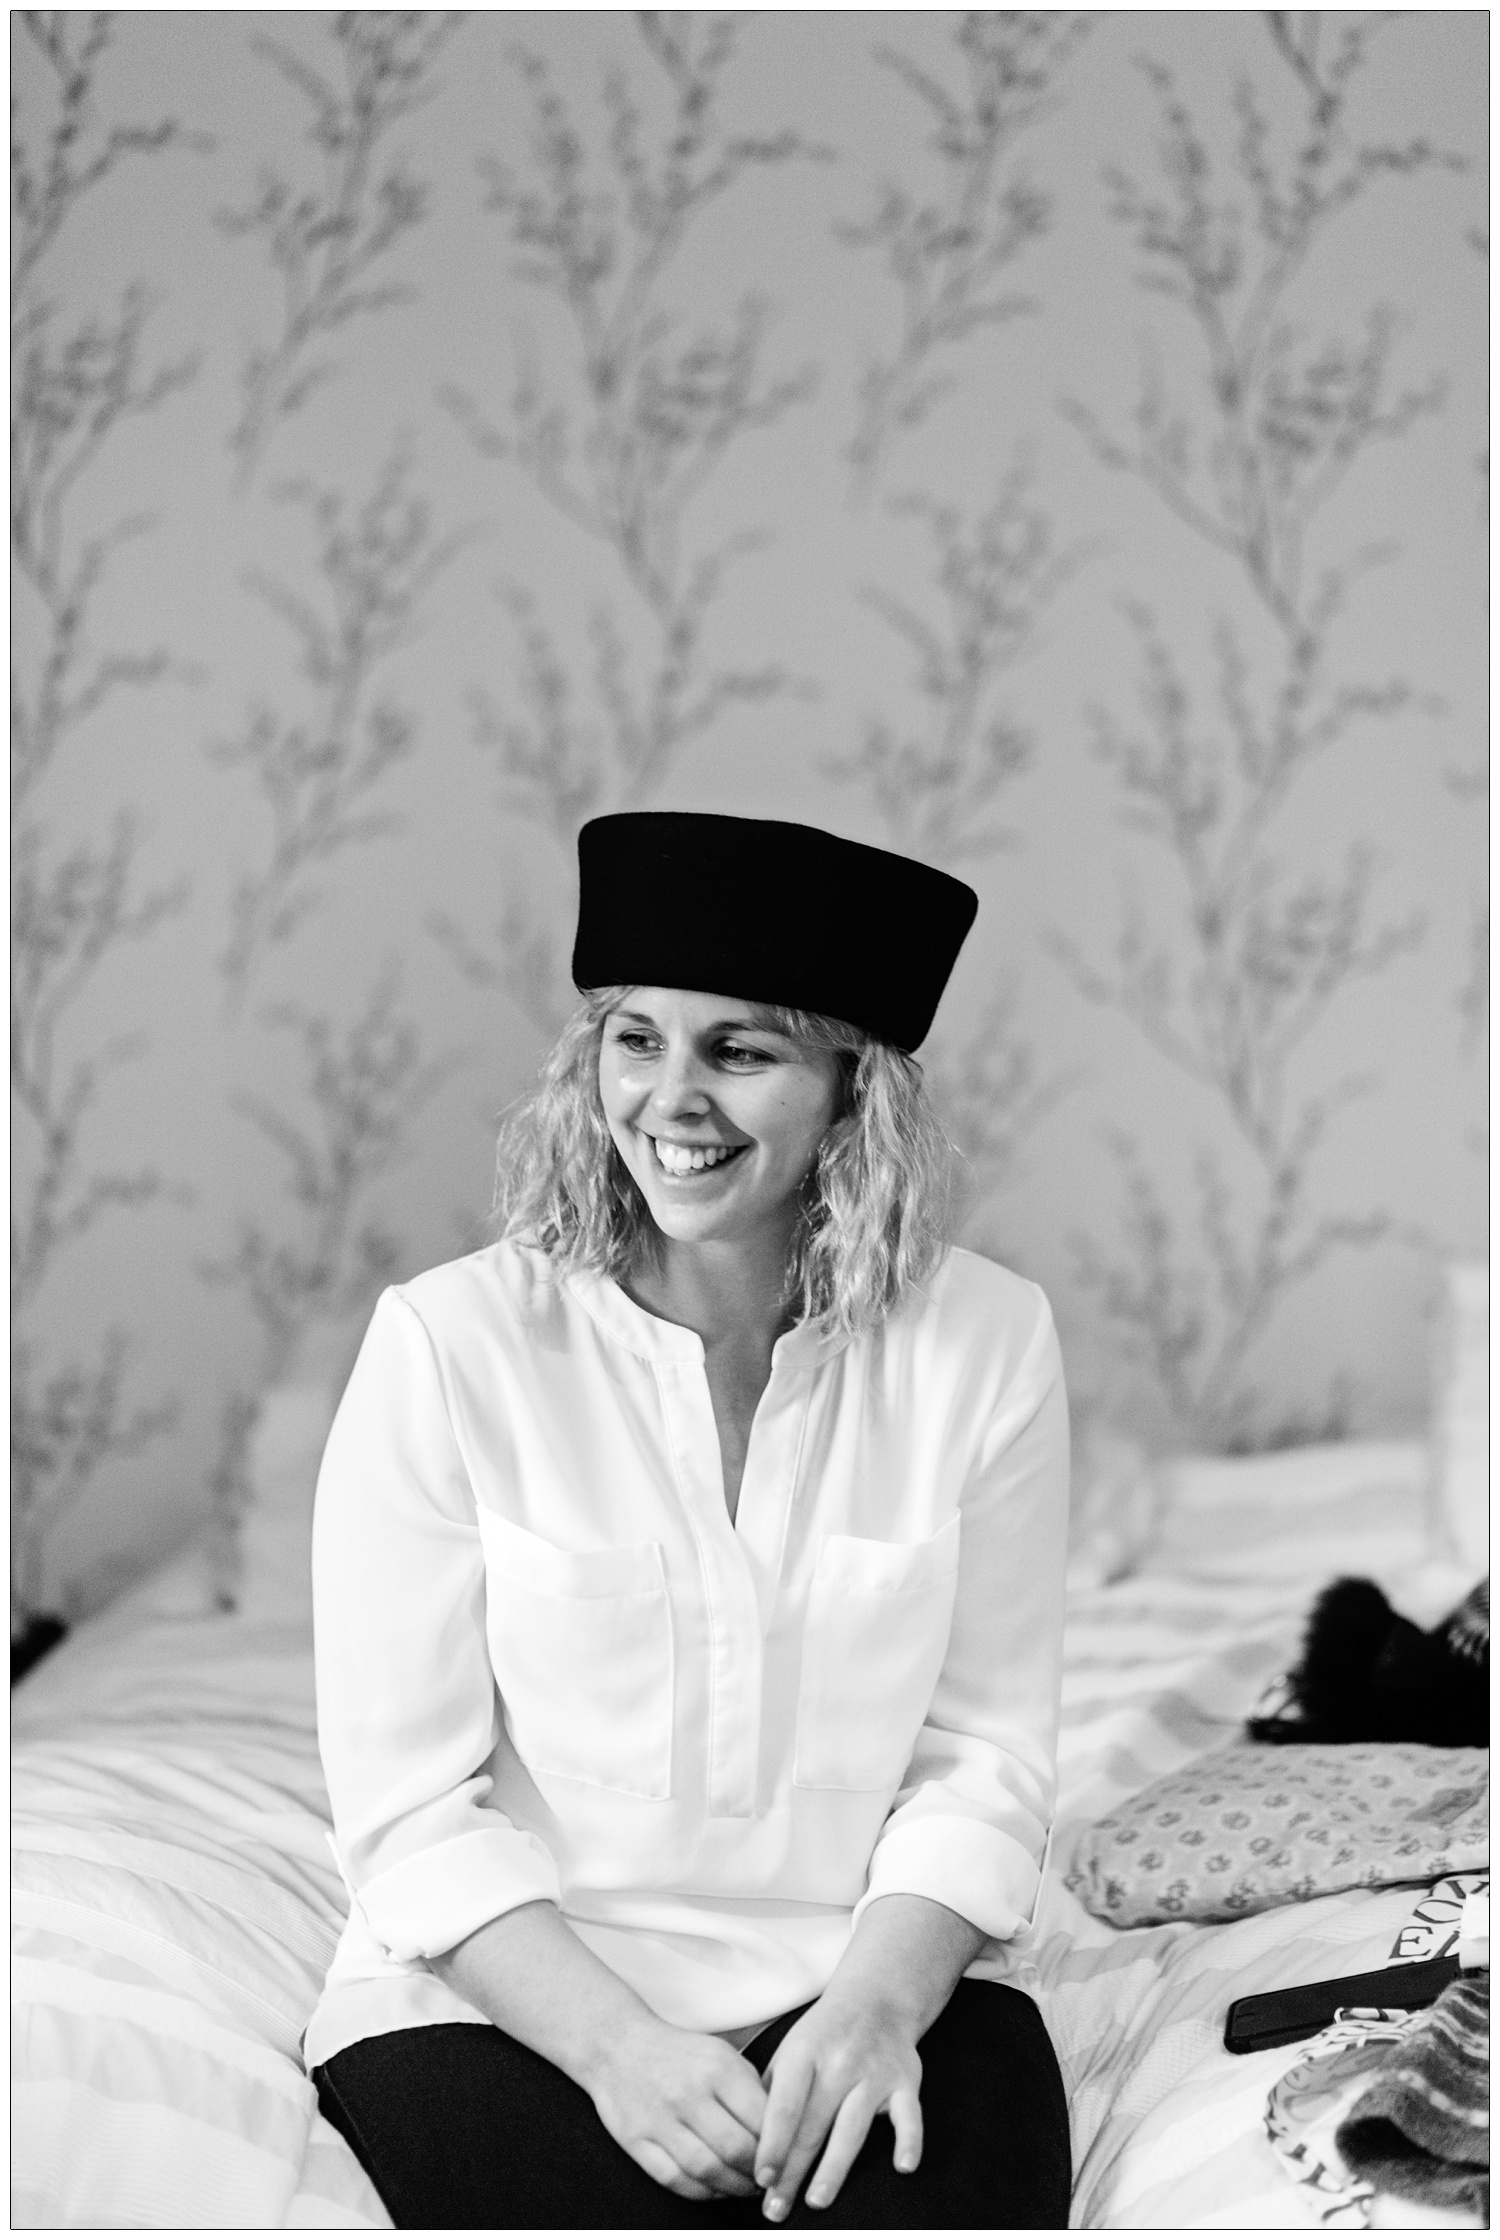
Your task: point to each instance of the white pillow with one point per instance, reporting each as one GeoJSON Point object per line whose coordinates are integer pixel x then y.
{"type": "Point", "coordinates": [274, 1556]}
{"type": "Point", "coordinates": [1114, 1513]}
{"type": "Point", "coordinates": [1296, 1518]}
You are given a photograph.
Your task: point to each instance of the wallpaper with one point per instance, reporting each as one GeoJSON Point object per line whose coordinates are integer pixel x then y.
{"type": "Point", "coordinates": [1050, 443]}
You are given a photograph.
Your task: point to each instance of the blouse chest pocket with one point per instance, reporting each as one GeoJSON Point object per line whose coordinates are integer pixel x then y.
{"type": "Point", "coordinates": [878, 1619]}
{"type": "Point", "coordinates": [581, 1643]}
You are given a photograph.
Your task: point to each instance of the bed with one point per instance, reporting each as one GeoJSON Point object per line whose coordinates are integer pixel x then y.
{"type": "Point", "coordinates": [176, 1901]}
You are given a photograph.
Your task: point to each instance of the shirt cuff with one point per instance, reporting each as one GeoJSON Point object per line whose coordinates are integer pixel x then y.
{"type": "Point", "coordinates": [976, 1871]}
{"type": "Point", "coordinates": [431, 1902]}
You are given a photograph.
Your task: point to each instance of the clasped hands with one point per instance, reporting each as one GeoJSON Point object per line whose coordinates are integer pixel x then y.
{"type": "Point", "coordinates": [697, 2117]}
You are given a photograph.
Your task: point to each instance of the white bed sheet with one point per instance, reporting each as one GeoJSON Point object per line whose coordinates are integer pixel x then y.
{"type": "Point", "coordinates": [175, 1909]}
{"type": "Point", "coordinates": [176, 1902]}
{"type": "Point", "coordinates": [1168, 2128]}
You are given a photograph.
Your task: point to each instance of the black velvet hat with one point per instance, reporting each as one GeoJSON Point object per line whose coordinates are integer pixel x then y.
{"type": "Point", "coordinates": [772, 912]}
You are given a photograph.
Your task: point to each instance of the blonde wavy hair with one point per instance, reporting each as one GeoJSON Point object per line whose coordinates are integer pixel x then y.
{"type": "Point", "coordinates": [874, 1208]}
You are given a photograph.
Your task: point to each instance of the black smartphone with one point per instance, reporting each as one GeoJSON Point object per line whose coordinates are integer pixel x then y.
{"type": "Point", "coordinates": [1279, 2018]}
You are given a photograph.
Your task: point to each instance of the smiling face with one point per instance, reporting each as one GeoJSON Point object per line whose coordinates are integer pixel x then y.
{"type": "Point", "coordinates": [717, 1118]}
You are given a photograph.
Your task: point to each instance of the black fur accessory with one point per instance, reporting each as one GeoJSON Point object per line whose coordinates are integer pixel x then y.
{"type": "Point", "coordinates": [1369, 1675]}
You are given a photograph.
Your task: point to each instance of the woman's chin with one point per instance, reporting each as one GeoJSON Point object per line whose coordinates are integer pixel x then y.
{"type": "Point", "coordinates": [691, 1213]}
{"type": "Point", "coordinates": [694, 1224]}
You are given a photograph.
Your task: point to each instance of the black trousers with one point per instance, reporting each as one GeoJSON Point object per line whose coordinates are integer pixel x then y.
{"type": "Point", "coordinates": [461, 2127]}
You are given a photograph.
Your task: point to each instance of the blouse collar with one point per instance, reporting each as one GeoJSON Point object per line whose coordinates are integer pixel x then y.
{"type": "Point", "coordinates": [648, 1336]}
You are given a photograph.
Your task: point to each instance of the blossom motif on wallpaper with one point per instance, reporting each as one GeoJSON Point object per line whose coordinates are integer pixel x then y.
{"type": "Point", "coordinates": [1230, 993]}
{"type": "Point", "coordinates": [625, 439]}
{"type": "Point", "coordinates": [366, 1079]}
{"type": "Point", "coordinates": [1478, 238]}
{"type": "Point", "coordinates": [328, 240]}
{"type": "Point", "coordinates": [648, 393]}
{"type": "Point", "coordinates": [937, 785]}
{"type": "Point", "coordinates": [76, 899]}
{"type": "Point", "coordinates": [552, 769]}
{"type": "Point", "coordinates": [70, 393]}
{"type": "Point", "coordinates": [1472, 783]}
{"type": "Point", "coordinates": [320, 773]}
{"type": "Point", "coordinates": [993, 1090]}
{"type": "Point", "coordinates": [48, 182]}
{"type": "Point", "coordinates": [365, 1085]}
{"type": "Point", "coordinates": [1472, 1000]}
{"type": "Point", "coordinates": [951, 252]}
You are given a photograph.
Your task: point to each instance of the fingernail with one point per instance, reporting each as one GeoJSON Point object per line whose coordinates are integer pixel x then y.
{"type": "Point", "coordinates": [817, 2197]}
{"type": "Point", "coordinates": [906, 2163]}
{"type": "Point", "coordinates": [775, 2207]}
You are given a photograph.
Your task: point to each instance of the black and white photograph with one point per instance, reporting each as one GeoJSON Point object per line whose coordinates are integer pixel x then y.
{"type": "Point", "coordinates": [749, 1118]}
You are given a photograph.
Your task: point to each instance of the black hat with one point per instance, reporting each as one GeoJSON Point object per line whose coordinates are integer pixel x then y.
{"type": "Point", "coordinates": [772, 912]}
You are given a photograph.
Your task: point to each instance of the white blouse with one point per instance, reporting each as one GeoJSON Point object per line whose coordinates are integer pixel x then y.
{"type": "Point", "coordinates": [550, 1665]}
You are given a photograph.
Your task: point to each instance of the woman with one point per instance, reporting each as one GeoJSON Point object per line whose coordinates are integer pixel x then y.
{"type": "Point", "coordinates": [688, 1574]}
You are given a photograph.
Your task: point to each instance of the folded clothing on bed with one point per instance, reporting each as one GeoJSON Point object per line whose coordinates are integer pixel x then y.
{"type": "Point", "coordinates": [1421, 2130]}
{"type": "Point", "coordinates": [1257, 1825]}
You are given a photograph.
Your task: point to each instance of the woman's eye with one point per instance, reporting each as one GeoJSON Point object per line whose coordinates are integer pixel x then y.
{"type": "Point", "coordinates": [641, 1043]}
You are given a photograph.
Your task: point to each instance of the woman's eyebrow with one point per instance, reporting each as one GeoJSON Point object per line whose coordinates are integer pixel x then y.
{"type": "Point", "coordinates": [746, 1025]}
{"type": "Point", "coordinates": [743, 1023]}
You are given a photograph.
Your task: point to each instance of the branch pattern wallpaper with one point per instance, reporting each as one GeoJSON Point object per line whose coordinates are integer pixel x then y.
{"type": "Point", "coordinates": [1049, 442]}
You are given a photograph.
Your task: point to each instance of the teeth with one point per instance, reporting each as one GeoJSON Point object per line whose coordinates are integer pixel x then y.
{"type": "Point", "coordinates": [679, 1158]}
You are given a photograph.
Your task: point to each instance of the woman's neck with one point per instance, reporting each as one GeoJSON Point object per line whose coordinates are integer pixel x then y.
{"type": "Point", "coordinates": [725, 1292]}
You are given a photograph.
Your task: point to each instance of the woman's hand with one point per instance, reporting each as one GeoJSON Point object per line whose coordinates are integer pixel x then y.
{"type": "Point", "coordinates": [685, 2106]}
{"type": "Point", "coordinates": [853, 2056]}
{"type": "Point", "coordinates": [850, 2058]}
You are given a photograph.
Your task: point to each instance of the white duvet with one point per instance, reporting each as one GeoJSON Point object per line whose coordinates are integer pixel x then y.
{"type": "Point", "coordinates": [175, 1907]}
{"type": "Point", "coordinates": [176, 1903]}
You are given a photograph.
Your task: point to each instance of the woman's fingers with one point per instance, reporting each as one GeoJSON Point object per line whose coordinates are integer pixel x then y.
{"type": "Point", "coordinates": [728, 2119]}
{"type": "Point", "coordinates": [906, 2120]}
{"type": "Point", "coordinates": [738, 2089]}
{"type": "Point", "coordinates": [689, 2113]}
{"type": "Point", "coordinates": [707, 2169]}
{"type": "Point", "coordinates": [725, 2134]}
{"type": "Point", "coordinates": [829, 2079]}
{"type": "Point", "coordinates": [791, 2081]}
{"type": "Point", "coordinates": [685, 2166]}
{"type": "Point", "coordinates": [707, 2140]}
{"type": "Point", "coordinates": [711, 2146]}
{"type": "Point", "coordinates": [820, 2109]}
{"type": "Point", "coordinates": [658, 2164]}
{"type": "Point", "coordinates": [851, 2128]}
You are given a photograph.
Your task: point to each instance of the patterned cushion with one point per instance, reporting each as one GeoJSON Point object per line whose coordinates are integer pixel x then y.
{"type": "Point", "coordinates": [1259, 1824]}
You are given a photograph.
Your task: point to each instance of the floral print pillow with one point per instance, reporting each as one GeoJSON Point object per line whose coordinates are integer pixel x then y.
{"type": "Point", "coordinates": [1260, 1824]}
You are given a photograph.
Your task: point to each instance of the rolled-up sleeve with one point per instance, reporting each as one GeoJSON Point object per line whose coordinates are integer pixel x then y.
{"type": "Point", "coordinates": [408, 1715]}
{"type": "Point", "coordinates": [968, 1827]}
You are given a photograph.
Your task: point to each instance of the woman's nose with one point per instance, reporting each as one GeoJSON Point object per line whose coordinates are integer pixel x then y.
{"type": "Point", "coordinates": [682, 1085]}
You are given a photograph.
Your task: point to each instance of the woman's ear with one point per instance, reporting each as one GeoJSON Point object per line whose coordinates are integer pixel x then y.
{"type": "Point", "coordinates": [848, 1062]}
{"type": "Point", "coordinates": [834, 1137]}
